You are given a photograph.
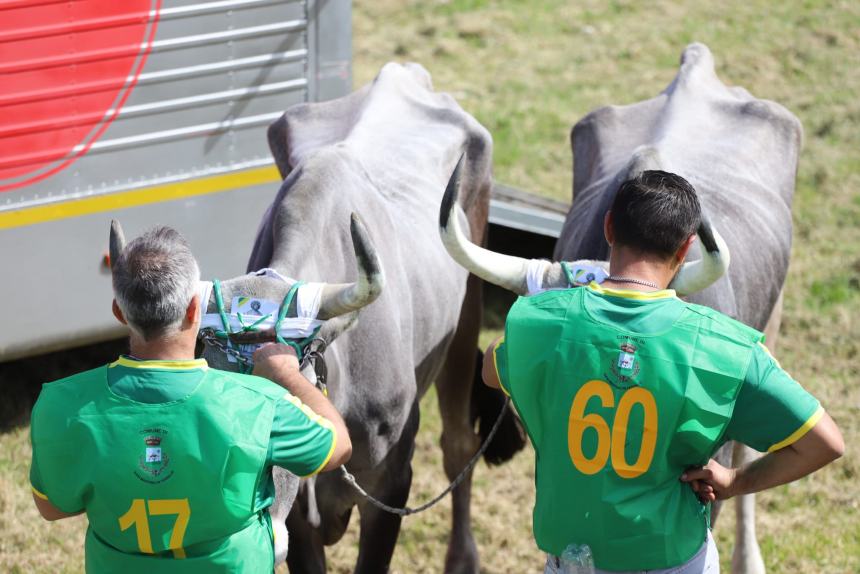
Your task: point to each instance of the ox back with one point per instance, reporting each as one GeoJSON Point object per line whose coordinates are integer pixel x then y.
{"type": "Point", "coordinates": [385, 152]}
{"type": "Point", "coordinates": [739, 152]}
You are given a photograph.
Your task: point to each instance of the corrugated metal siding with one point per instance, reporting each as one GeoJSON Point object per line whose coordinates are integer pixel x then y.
{"type": "Point", "coordinates": [217, 74]}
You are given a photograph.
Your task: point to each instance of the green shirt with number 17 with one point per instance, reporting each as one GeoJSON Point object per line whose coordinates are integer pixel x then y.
{"type": "Point", "coordinates": [172, 463]}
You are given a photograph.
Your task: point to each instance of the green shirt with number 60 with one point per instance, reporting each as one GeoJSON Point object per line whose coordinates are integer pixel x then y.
{"type": "Point", "coordinates": [172, 463]}
{"type": "Point", "coordinates": [620, 392]}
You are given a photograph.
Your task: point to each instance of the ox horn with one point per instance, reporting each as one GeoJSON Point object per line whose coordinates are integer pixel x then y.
{"type": "Point", "coordinates": [117, 241]}
{"type": "Point", "coordinates": [341, 298]}
{"type": "Point", "coordinates": [510, 272]}
{"type": "Point", "coordinates": [503, 270]}
{"type": "Point", "coordinates": [696, 275]}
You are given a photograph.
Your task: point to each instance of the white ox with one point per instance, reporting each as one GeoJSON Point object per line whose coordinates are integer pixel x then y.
{"type": "Point", "coordinates": [384, 152]}
{"type": "Point", "coordinates": [740, 153]}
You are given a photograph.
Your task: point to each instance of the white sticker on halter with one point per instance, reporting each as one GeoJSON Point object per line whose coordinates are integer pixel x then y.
{"type": "Point", "coordinates": [307, 300]}
{"type": "Point", "coordinates": [251, 309]}
{"type": "Point", "coordinates": [254, 307]}
{"type": "Point", "coordinates": [291, 327]}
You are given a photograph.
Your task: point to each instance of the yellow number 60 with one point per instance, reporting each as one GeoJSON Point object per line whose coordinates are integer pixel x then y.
{"type": "Point", "coordinates": [579, 421]}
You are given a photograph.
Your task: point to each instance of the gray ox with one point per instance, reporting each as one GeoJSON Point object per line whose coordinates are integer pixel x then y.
{"type": "Point", "coordinates": [741, 155]}
{"type": "Point", "coordinates": [384, 151]}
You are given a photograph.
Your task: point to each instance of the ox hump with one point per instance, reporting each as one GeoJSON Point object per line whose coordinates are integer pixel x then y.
{"type": "Point", "coordinates": [376, 120]}
{"type": "Point", "coordinates": [697, 81]}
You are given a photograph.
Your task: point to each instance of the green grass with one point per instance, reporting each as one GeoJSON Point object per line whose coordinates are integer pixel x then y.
{"type": "Point", "coordinates": [528, 71]}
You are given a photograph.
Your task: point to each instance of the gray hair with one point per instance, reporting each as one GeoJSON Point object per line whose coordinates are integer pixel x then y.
{"type": "Point", "coordinates": [154, 280]}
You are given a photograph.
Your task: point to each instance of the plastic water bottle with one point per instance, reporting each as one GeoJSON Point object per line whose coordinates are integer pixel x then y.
{"type": "Point", "coordinates": [576, 559]}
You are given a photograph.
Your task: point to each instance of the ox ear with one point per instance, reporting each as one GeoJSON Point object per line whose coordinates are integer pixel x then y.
{"type": "Point", "coordinates": [277, 136]}
{"type": "Point", "coordinates": [697, 275]}
{"type": "Point", "coordinates": [117, 241]}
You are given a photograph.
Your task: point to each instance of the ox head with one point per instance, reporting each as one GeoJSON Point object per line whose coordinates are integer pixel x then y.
{"type": "Point", "coordinates": [511, 272]}
{"type": "Point", "coordinates": [337, 300]}
{"type": "Point", "coordinates": [339, 303]}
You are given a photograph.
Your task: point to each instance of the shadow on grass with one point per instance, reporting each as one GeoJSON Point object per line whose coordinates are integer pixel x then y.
{"type": "Point", "coordinates": [21, 380]}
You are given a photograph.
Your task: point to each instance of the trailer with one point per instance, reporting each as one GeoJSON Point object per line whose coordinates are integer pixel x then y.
{"type": "Point", "coordinates": [146, 111]}
{"type": "Point", "coordinates": [155, 111]}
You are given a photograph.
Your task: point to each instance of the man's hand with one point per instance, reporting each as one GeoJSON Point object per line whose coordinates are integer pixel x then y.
{"type": "Point", "coordinates": [279, 364]}
{"type": "Point", "coordinates": [821, 445]}
{"type": "Point", "coordinates": [488, 369]}
{"type": "Point", "coordinates": [50, 512]}
{"type": "Point", "coordinates": [273, 361]}
{"type": "Point", "coordinates": [711, 482]}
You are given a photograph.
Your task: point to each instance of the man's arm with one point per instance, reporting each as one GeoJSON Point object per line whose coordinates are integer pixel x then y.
{"type": "Point", "coordinates": [820, 446]}
{"type": "Point", "coordinates": [279, 363]}
{"type": "Point", "coordinates": [37, 486]}
{"type": "Point", "coordinates": [50, 512]}
{"type": "Point", "coordinates": [488, 370]}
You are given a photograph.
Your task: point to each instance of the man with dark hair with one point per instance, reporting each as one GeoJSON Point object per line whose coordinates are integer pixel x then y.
{"type": "Point", "coordinates": [624, 389]}
{"type": "Point", "coordinates": [655, 213]}
{"type": "Point", "coordinates": [171, 460]}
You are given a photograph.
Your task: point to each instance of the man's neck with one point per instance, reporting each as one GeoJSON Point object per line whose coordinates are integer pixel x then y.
{"type": "Point", "coordinates": [625, 264]}
{"type": "Point", "coordinates": [175, 348]}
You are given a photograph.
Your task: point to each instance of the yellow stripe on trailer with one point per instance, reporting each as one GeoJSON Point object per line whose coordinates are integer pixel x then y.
{"type": "Point", "coordinates": [138, 197]}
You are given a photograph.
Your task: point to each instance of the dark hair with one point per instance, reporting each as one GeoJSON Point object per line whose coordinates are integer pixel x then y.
{"type": "Point", "coordinates": [655, 212]}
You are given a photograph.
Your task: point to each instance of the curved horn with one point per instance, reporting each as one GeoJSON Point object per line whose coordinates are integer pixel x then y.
{"type": "Point", "coordinates": [117, 241]}
{"type": "Point", "coordinates": [697, 275]}
{"type": "Point", "coordinates": [340, 298]}
{"type": "Point", "coordinates": [502, 270]}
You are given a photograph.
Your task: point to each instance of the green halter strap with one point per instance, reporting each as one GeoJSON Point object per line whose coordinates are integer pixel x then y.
{"type": "Point", "coordinates": [219, 301]}
{"type": "Point", "coordinates": [298, 346]}
{"type": "Point", "coordinates": [225, 322]}
{"type": "Point", "coordinates": [282, 313]}
{"type": "Point", "coordinates": [567, 273]}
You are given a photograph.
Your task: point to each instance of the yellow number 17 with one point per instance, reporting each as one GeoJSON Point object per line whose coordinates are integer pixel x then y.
{"type": "Point", "coordinates": [137, 516]}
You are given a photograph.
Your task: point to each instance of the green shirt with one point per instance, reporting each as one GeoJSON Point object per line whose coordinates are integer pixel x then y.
{"type": "Point", "coordinates": [187, 453]}
{"type": "Point", "coordinates": [620, 391]}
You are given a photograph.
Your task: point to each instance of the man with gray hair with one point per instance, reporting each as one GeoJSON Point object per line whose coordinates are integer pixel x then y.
{"type": "Point", "coordinates": [172, 460]}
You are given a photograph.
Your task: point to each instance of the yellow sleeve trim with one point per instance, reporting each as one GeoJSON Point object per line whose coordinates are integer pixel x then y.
{"type": "Point", "coordinates": [769, 354]}
{"type": "Point", "coordinates": [798, 434]}
{"type": "Point", "coordinates": [327, 457]}
{"type": "Point", "coordinates": [308, 412]}
{"type": "Point", "coordinates": [41, 495]}
{"type": "Point", "coordinates": [322, 421]}
{"type": "Point", "coordinates": [496, 366]}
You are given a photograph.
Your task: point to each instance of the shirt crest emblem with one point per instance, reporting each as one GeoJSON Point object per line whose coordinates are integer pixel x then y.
{"type": "Point", "coordinates": [626, 366]}
{"type": "Point", "coordinates": [154, 461]}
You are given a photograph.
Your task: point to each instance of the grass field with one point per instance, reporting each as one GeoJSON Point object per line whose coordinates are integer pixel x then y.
{"type": "Point", "coordinates": [528, 71]}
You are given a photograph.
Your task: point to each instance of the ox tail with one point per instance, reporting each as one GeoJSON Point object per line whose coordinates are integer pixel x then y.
{"type": "Point", "coordinates": [485, 406]}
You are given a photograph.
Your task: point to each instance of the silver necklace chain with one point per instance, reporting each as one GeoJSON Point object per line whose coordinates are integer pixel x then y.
{"type": "Point", "coordinates": [632, 280]}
